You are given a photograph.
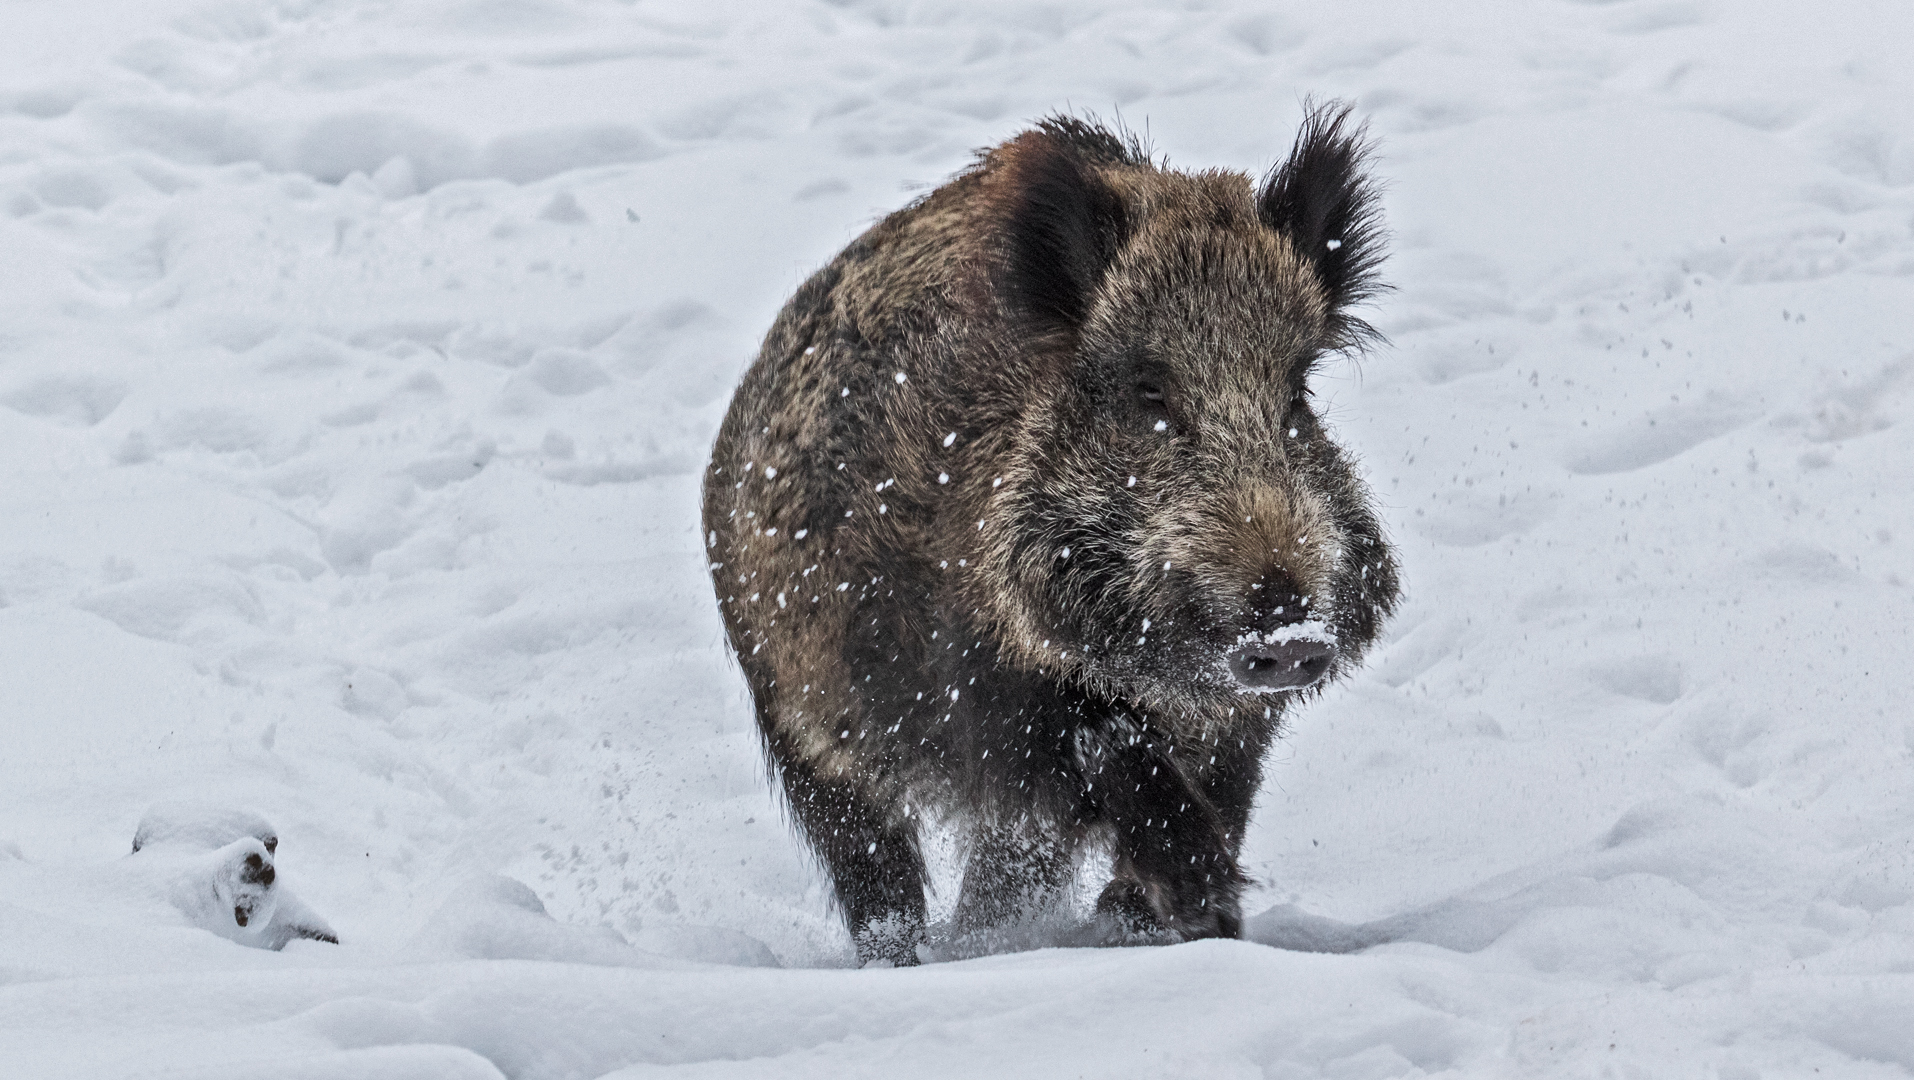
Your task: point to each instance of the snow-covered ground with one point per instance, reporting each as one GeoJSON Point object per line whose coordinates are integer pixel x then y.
{"type": "Point", "coordinates": [358, 359]}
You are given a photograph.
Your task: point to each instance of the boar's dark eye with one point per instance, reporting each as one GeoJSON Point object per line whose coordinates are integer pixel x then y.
{"type": "Point", "coordinates": [1150, 403]}
{"type": "Point", "coordinates": [1296, 412]}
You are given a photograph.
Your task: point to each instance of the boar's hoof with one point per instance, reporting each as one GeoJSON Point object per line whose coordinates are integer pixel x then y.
{"type": "Point", "coordinates": [1285, 665]}
{"type": "Point", "coordinates": [1125, 907]}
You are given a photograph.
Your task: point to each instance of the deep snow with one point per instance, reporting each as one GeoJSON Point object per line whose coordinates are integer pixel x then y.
{"type": "Point", "coordinates": [357, 364]}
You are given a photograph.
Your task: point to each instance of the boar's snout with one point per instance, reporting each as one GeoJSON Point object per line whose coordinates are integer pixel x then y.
{"type": "Point", "coordinates": [1286, 649]}
{"type": "Point", "coordinates": [1281, 665]}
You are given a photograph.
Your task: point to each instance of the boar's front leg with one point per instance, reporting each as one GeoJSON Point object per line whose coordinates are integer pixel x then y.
{"type": "Point", "coordinates": [1176, 872]}
{"type": "Point", "coordinates": [1230, 781]}
{"type": "Point", "coordinates": [873, 859]}
{"type": "Point", "coordinates": [1011, 874]}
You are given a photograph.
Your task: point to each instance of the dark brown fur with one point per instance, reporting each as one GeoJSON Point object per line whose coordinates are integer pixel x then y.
{"type": "Point", "coordinates": [1019, 487]}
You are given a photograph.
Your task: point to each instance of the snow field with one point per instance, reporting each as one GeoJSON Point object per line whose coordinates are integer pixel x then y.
{"type": "Point", "coordinates": [358, 362]}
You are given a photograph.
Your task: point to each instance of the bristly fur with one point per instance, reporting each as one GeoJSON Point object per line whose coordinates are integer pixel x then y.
{"type": "Point", "coordinates": [1019, 483]}
{"type": "Point", "coordinates": [1322, 193]}
{"type": "Point", "coordinates": [1092, 142]}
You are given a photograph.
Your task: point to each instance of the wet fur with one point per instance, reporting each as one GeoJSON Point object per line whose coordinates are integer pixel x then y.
{"type": "Point", "coordinates": [959, 623]}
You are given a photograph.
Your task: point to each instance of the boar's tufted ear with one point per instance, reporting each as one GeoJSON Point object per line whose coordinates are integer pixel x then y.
{"type": "Point", "coordinates": [1323, 200]}
{"type": "Point", "coordinates": [1063, 224]}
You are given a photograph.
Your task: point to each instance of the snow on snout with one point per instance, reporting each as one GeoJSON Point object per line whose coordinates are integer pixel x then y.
{"type": "Point", "coordinates": [1310, 629]}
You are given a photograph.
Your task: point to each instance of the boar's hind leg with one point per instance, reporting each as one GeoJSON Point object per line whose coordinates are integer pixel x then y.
{"type": "Point", "coordinates": [1011, 873]}
{"type": "Point", "coordinates": [1175, 871]}
{"type": "Point", "coordinates": [871, 853]}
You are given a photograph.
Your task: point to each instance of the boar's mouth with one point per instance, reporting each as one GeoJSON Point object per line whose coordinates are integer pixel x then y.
{"type": "Point", "coordinates": [1292, 658]}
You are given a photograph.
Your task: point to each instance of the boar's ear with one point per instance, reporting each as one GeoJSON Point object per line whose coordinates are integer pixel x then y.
{"type": "Point", "coordinates": [1063, 224]}
{"type": "Point", "coordinates": [1323, 200]}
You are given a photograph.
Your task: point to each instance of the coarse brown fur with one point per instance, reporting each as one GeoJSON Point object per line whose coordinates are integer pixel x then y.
{"type": "Point", "coordinates": [1024, 513]}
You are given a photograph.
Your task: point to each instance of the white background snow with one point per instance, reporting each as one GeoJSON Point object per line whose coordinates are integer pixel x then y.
{"type": "Point", "coordinates": [358, 360]}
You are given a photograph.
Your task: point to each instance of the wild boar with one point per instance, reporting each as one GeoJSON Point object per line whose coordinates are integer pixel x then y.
{"type": "Point", "coordinates": [1024, 516]}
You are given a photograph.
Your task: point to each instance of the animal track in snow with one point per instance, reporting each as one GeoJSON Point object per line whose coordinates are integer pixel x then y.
{"type": "Point", "coordinates": [1803, 562]}
{"type": "Point", "coordinates": [175, 607]}
{"type": "Point", "coordinates": [79, 400]}
{"type": "Point", "coordinates": [1472, 522]}
{"type": "Point", "coordinates": [1863, 407]}
{"type": "Point", "coordinates": [1265, 34]}
{"type": "Point", "coordinates": [1657, 435]}
{"type": "Point", "coordinates": [1654, 679]}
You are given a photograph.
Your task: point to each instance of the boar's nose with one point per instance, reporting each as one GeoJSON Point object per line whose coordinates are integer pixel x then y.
{"type": "Point", "coordinates": [1280, 661]}
{"type": "Point", "coordinates": [1281, 665]}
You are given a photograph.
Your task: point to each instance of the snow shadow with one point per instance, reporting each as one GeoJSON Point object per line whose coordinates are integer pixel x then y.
{"type": "Point", "coordinates": [1457, 925]}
